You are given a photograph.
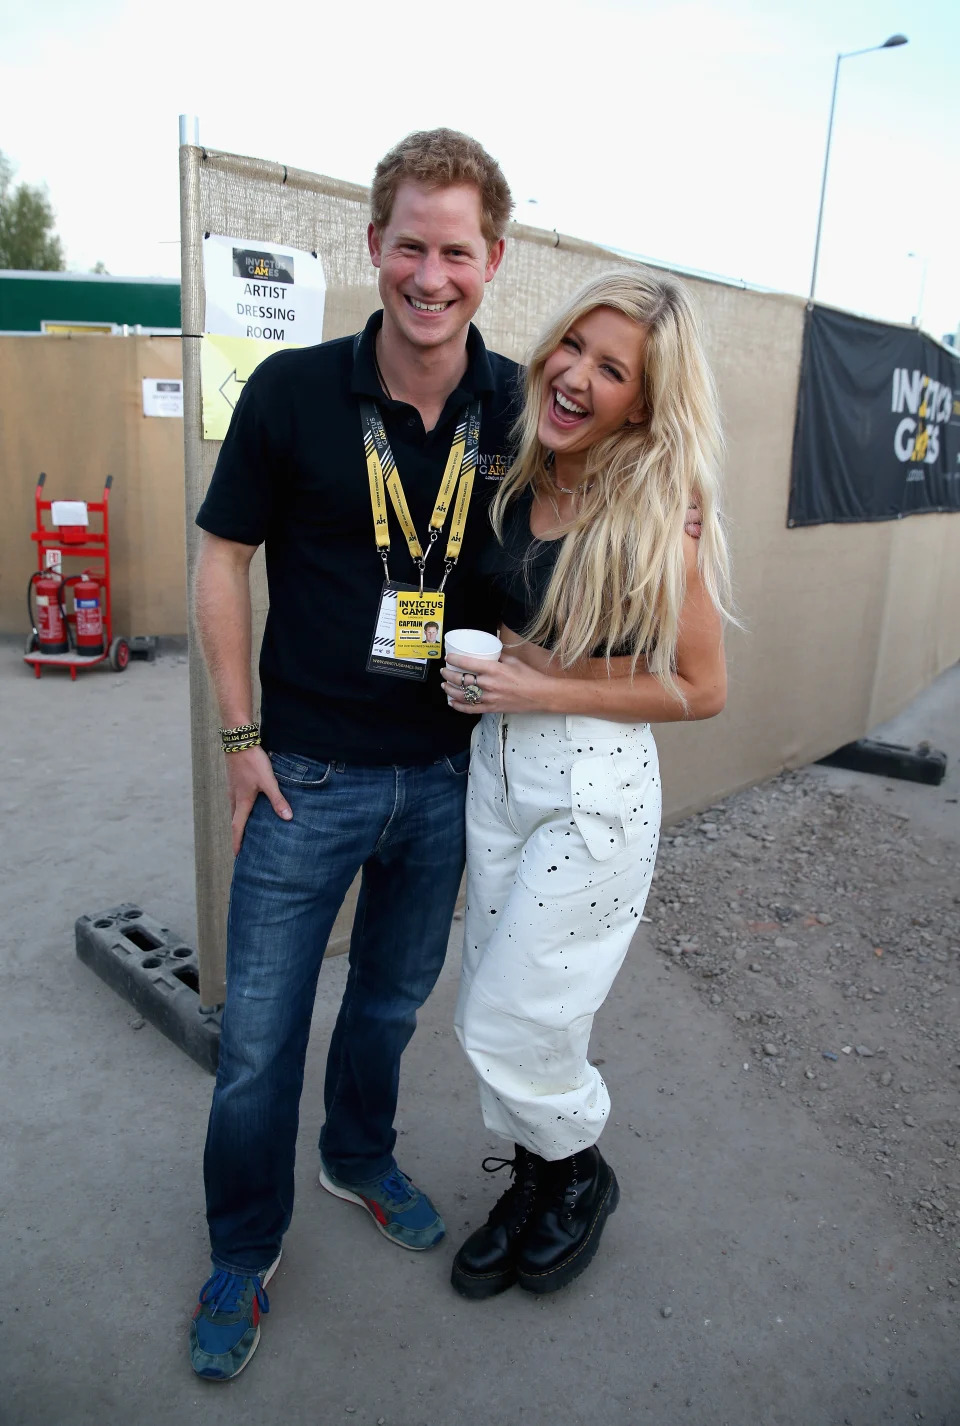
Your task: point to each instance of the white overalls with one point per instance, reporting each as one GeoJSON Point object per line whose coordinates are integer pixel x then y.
{"type": "Point", "coordinates": [563, 817]}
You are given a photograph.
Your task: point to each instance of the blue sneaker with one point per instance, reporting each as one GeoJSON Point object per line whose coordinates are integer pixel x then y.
{"type": "Point", "coordinates": [401, 1212]}
{"type": "Point", "coordinates": [225, 1330]}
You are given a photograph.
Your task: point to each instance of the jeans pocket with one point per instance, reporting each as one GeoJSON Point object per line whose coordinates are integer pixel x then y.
{"type": "Point", "coordinates": [458, 764]}
{"type": "Point", "coordinates": [596, 801]}
{"type": "Point", "coordinates": [291, 770]}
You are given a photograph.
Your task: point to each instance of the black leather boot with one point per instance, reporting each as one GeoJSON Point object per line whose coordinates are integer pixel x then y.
{"type": "Point", "coordinates": [486, 1264]}
{"type": "Point", "coordinates": [575, 1199]}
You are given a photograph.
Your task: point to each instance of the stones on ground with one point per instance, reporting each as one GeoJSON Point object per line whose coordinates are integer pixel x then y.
{"type": "Point", "coordinates": [770, 1048]}
{"type": "Point", "coordinates": [666, 1311]}
{"type": "Point", "coordinates": [841, 879]}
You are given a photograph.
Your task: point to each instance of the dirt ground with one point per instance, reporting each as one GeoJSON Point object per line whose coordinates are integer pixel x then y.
{"type": "Point", "coordinates": [826, 927]}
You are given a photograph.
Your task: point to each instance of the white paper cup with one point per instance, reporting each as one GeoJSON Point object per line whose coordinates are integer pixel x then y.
{"type": "Point", "coordinates": [473, 643]}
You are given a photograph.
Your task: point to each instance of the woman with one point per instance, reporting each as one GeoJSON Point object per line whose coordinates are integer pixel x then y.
{"type": "Point", "coordinates": [612, 620]}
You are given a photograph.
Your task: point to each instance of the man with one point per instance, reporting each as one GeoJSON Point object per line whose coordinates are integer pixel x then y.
{"type": "Point", "coordinates": [361, 766]}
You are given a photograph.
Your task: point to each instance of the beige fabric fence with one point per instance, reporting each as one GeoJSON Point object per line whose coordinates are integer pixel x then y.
{"type": "Point", "coordinates": [843, 624]}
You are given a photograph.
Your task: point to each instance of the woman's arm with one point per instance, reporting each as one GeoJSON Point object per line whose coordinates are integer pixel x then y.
{"type": "Point", "coordinates": [513, 686]}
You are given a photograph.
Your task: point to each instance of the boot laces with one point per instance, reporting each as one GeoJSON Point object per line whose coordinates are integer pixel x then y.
{"type": "Point", "coordinates": [513, 1206]}
{"type": "Point", "coordinates": [564, 1190]}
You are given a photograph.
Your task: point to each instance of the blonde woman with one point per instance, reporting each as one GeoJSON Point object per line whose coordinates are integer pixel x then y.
{"type": "Point", "coordinates": [612, 619]}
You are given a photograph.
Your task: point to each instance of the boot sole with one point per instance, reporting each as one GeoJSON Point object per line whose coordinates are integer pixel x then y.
{"type": "Point", "coordinates": [477, 1288]}
{"type": "Point", "coordinates": [555, 1278]}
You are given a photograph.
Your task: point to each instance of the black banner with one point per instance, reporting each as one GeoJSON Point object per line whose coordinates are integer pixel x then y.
{"type": "Point", "coordinates": [878, 423]}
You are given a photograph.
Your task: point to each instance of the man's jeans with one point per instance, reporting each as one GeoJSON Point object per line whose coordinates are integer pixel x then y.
{"type": "Point", "coordinates": [405, 827]}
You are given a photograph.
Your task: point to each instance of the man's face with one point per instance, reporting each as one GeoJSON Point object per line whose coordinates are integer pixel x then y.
{"type": "Point", "coordinates": [433, 261]}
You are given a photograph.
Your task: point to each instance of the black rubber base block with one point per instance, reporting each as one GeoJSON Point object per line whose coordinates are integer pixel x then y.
{"type": "Point", "coordinates": [919, 764]}
{"type": "Point", "coordinates": [157, 972]}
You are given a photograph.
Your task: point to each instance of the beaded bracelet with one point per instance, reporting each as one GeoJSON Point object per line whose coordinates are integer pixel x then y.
{"type": "Point", "coordinates": [238, 740]}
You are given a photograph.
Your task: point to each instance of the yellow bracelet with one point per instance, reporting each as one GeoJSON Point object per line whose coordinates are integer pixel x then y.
{"type": "Point", "coordinates": [238, 740]}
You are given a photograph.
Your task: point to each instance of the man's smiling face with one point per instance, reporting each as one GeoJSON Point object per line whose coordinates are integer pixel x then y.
{"type": "Point", "coordinates": [434, 262]}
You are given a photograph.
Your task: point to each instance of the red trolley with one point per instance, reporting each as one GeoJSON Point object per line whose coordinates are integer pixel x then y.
{"type": "Point", "coordinates": [80, 637]}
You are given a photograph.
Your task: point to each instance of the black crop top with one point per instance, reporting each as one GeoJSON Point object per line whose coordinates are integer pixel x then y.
{"type": "Point", "coordinates": [518, 571]}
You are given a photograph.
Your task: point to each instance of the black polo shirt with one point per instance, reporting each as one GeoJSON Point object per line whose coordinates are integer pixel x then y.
{"type": "Point", "coordinates": [292, 475]}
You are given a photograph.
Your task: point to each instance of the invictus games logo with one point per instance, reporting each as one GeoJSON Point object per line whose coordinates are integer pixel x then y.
{"type": "Point", "coordinates": [925, 405]}
{"type": "Point", "coordinates": [493, 467]}
{"type": "Point", "coordinates": [261, 267]}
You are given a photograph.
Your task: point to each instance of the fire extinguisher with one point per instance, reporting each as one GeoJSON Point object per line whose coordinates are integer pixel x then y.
{"type": "Point", "coordinates": [50, 625]}
{"type": "Point", "coordinates": [88, 627]}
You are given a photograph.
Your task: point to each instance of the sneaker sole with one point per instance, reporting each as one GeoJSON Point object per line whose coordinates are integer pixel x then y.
{"type": "Point", "coordinates": [564, 1273]}
{"type": "Point", "coordinates": [477, 1288]}
{"type": "Point", "coordinates": [256, 1341]}
{"type": "Point", "coordinates": [349, 1197]}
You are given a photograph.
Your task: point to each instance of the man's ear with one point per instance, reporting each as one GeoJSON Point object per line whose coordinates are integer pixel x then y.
{"type": "Point", "coordinates": [374, 246]}
{"type": "Point", "coordinates": [494, 258]}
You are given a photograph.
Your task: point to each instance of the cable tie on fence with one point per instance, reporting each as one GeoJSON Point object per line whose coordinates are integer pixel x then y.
{"type": "Point", "coordinates": [557, 236]}
{"type": "Point", "coordinates": [206, 235]}
{"type": "Point", "coordinates": [284, 173]}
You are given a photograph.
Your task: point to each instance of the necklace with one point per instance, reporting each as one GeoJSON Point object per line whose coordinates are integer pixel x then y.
{"type": "Point", "coordinates": [376, 363]}
{"type": "Point", "coordinates": [576, 490]}
{"type": "Point", "coordinates": [564, 489]}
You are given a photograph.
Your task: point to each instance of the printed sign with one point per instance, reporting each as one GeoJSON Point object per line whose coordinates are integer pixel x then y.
{"type": "Point", "coordinates": [264, 293]}
{"type": "Point", "coordinates": [259, 298]}
{"type": "Point", "coordinates": [225, 365]}
{"type": "Point", "coordinates": [878, 423]}
{"type": "Point", "coordinates": [162, 396]}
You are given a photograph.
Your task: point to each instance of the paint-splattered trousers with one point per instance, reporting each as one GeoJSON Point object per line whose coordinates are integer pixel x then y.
{"type": "Point", "coordinates": [563, 817]}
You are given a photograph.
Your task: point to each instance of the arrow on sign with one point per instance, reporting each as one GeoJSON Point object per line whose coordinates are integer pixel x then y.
{"type": "Point", "coordinates": [230, 389]}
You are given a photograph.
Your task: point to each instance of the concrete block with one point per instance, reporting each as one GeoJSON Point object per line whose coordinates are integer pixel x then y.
{"type": "Point", "coordinates": [157, 972]}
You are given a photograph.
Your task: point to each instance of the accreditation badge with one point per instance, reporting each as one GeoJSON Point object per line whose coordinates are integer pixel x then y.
{"type": "Point", "coordinates": [383, 657]}
{"type": "Point", "coordinates": [419, 629]}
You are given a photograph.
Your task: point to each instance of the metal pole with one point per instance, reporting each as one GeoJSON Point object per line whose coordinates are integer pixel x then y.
{"type": "Point", "coordinates": [918, 257]}
{"type": "Point", "coordinates": [823, 185]}
{"type": "Point", "coordinates": [189, 130]}
{"type": "Point", "coordinates": [892, 43]}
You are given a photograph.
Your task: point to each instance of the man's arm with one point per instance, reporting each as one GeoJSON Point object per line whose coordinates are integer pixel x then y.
{"type": "Point", "coordinates": [222, 601]}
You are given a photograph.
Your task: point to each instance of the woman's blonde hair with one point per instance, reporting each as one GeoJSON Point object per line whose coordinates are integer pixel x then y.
{"type": "Point", "coordinates": [619, 580]}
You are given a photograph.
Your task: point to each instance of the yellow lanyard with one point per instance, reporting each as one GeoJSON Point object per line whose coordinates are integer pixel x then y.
{"type": "Point", "coordinates": [456, 488]}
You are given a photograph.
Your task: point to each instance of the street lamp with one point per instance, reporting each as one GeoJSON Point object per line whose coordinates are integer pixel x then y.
{"type": "Point", "coordinates": [923, 286]}
{"type": "Point", "coordinates": [889, 44]}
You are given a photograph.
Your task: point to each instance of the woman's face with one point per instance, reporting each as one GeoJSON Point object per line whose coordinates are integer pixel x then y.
{"type": "Point", "coordinates": [592, 384]}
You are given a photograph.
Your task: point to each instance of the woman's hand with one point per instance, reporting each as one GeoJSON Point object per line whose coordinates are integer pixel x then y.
{"type": "Point", "coordinates": [510, 686]}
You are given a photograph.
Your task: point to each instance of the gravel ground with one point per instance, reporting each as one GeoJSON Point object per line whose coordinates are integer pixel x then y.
{"type": "Point", "coordinates": [826, 928]}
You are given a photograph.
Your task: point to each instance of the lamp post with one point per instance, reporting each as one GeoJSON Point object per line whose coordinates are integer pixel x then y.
{"type": "Point", "coordinates": [923, 286]}
{"type": "Point", "coordinates": [889, 44]}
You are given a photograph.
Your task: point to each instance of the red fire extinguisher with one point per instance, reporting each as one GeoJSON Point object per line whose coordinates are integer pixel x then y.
{"type": "Point", "coordinates": [89, 616]}
{"type": "Point", "coordinates": [51, 627]}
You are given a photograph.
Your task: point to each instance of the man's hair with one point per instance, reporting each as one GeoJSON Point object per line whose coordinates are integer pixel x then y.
{"type": "Point", "coordinates": [441, 158]}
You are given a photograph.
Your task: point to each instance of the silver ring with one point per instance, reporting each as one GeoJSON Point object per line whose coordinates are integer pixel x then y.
{"type": "Point", "coordinates": [472, 693]}
{"type": "Point", "coordinates": [464, 674]}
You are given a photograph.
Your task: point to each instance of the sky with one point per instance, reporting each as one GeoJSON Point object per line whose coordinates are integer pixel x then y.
{"type": "Point", "coordinates": [689, 133]}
